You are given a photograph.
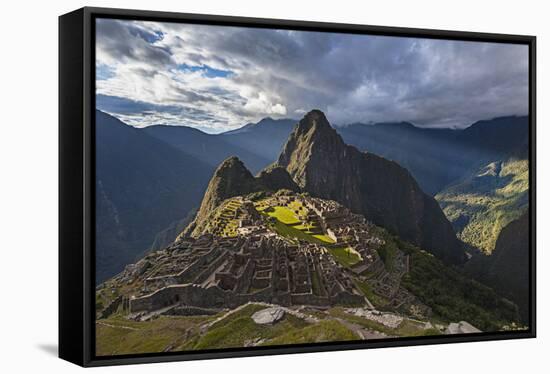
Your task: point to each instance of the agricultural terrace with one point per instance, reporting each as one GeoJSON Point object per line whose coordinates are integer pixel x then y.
{"type": "Point", "coordinates": [226, 222]}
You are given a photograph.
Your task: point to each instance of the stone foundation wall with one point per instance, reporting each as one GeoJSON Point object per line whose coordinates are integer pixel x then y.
{"type": "Point", "coordinates": [191, 295]}
{"type": "Point", "coordinates": [193, 270]}
{"type": "Point", "coordinates": [308, 299]}
{"type": "Point", "coordinates": [210, 269]}
{"type": "Point", "coordinates": [263, 296]}
{"type": "Point", "coordinates": [226, 281]}
{"type": "Point", "coordinates": [260, 283]}
{"type": "Point", "coordinates": [244, 280]}
{"type": "Point", "coordinates": [192, 311]}
{"type": "Point", "coordinates": [112, 307]}
{"type": "Point", "coordinates": [347, 298]}
{"type": "Point", "coordinates": [188, 294]}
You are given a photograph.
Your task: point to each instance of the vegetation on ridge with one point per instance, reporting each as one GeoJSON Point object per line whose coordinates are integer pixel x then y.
{"type": "Point", "coordinates": [481, 205]}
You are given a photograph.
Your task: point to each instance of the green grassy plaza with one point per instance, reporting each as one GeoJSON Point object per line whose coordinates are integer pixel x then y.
{"type": "Point", "coordinates": [287, 223]}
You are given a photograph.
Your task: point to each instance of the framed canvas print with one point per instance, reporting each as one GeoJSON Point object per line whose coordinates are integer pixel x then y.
{"type": "Point", "coordinates": [236, 186]}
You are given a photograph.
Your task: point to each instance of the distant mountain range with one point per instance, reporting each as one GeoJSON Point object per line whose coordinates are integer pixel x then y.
{"type": "Point", "coordinates": [211, 149]}
{"type": "Point", "coordinates": [256, 144]}
{"type": "Point", "coordinates": [264, 138]}
{"type": "Point", "coordinates": [435, 157]}
{"type": "Point", "coordinates": [439, 157]}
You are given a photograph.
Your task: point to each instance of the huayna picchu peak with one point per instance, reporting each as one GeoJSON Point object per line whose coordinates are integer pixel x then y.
{"type": "Point", "coordinates": [321, 163]}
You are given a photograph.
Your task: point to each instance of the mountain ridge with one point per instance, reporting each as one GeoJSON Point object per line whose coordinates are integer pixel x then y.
{"type": "Point", "coordinates": [439, 157]}
{"type": "Point", "coordinates": [264, 138]}
{"type": "Point", "coordinates": [212, 149]}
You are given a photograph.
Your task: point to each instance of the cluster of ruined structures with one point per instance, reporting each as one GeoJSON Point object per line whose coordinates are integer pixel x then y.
{"type": "Point", "coordinates": [212, 272]}
{"type": "Point", "coordinates": [353, 230]}
{"type": "Point", "coordinates": [217, 272]}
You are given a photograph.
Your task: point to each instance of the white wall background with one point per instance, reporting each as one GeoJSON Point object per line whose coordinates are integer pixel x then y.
{"type": "Point", "coordinates": [28, 184]}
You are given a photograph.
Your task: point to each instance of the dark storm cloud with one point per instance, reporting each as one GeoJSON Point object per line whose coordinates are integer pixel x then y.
{"type": "Point", "coordinates": [353, 78]}
{"type": "Point", "coordinates": [125, 41]}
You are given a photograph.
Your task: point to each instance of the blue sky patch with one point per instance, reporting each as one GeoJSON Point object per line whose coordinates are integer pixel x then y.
{"type": "Point", "coordinates": [206, 70]}
{"type": "Point", "coordinates": [104, 72]}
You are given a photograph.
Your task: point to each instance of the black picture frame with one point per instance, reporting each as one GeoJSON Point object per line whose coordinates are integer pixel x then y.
{"type": "Point", "coordinates": [76, 183]}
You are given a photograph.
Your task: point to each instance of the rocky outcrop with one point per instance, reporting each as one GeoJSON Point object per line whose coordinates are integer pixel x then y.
{"type": "Point", "coordinates": [320, 163]}
{"type": "Point", "coordinates": [275, 178]}
{"type": "Point", "coordinates": [461, 327]}
{"type": "Point", "coordinates": [268, 316]}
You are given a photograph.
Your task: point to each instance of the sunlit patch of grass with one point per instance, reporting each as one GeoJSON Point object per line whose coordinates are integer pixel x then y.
{"type": "Point", "coordinates": [292, 233]}
{"type": "Point", "coordinates": [346, 256]}
{"type": "Point", "coordinates": [285, 215]}
{"type": "Point", "coordinates": [324, 238]}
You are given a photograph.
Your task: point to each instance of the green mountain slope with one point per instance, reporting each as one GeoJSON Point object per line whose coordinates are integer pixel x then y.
{"type": "Point", "coordinates": [482, 204]}
{"type": "Point", "coordinates": [507, 268]}
{"type": "Point", "coordinates": [451, 294]}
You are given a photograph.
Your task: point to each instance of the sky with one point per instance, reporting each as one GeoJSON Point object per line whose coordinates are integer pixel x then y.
{"type": "Point", "coordinates": [218, 78]}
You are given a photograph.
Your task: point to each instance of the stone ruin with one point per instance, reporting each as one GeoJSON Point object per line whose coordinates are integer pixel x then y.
{"type": "Point", "coordinates": [211, 272]}
{"type": "Point", "coordinates": [228, 272]}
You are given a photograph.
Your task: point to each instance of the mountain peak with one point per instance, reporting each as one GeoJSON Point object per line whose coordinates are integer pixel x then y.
{"type": "Point", "coordinates": [232, 163]}
{"type": "Point", "coordinates": [275, 177]}
{"type": "Point", "coordinates": [265, 120]}
{"type": "Point", "coordinates": [315, 119]}
{"type": "Point", "coordinates": [313, 135]}
{"type": "Point", "coordinates": [230, 179]}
